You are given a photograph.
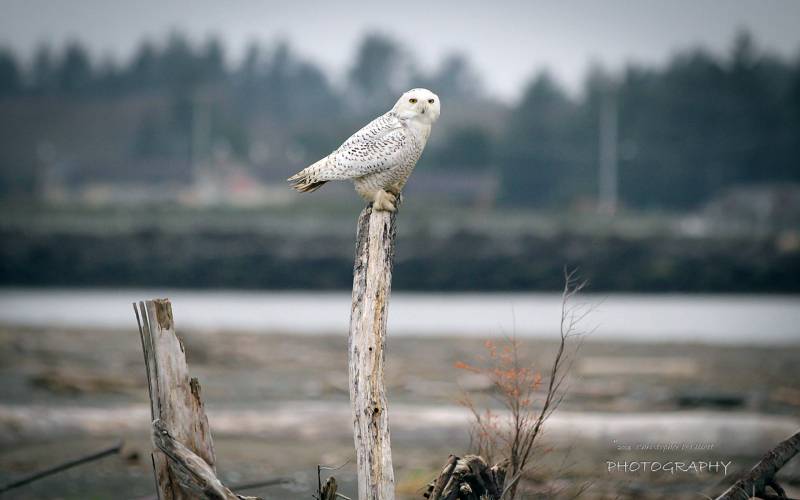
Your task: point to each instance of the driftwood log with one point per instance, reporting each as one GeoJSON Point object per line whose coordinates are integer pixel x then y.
{"type": "Point", "coordinates": [195, 476]}
{"type": "Point", "coordinates": [468, 478]}
{"type": "Point", "coordinates": [183, 458]}
{"type": "Point", "coordinates": [372, 282]}
{"type": "Point", "coordinates": [754, 484]}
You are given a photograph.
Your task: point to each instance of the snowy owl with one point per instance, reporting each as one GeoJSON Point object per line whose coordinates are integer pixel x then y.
{"type": "Point", "coordinates": [379, 157]}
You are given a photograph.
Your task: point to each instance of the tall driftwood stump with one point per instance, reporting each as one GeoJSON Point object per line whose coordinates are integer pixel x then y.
{"type": "Point", "coordinates": [183, 458]}
{"type": "Point", "coordinates": [372, 283]}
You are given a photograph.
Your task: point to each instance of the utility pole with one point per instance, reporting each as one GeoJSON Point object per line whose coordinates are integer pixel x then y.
{"type": "Point", "coordinates": [200, 132]}
{"type": "Point", "coordinates": [608, 174]}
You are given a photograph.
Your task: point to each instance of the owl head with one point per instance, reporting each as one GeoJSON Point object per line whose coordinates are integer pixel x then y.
{"type": "Point", "coordinates": [418, 104]}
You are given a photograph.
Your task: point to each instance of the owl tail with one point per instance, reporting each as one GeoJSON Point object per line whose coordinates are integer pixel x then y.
{"type": "Point", "coordinates": [306, 180]}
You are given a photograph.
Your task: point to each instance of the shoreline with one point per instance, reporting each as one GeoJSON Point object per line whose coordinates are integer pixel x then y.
{"type": "Point", "coordinates": [724, 320]}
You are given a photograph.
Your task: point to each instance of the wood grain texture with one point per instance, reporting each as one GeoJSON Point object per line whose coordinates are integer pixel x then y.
{"type": "Point", "coordinates": [174, 397]}
{"type": "Point", "coordinates": [372, 282]}
{"type": "Point", "coordinates": [195, 475]}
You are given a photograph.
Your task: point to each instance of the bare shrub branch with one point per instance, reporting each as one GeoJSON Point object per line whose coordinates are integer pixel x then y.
{"type": "Point", "coordinates": [519, 388]}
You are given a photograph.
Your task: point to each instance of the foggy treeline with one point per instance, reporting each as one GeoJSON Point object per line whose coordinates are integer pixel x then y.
{"type": "Point", "coordinates": [688, 129]}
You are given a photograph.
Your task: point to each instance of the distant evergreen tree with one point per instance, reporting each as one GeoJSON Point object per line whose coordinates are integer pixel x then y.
{"type": "Point", "coordinates": [74, 73]}
{"type": "Point", "coordinates": [454, 78]}
{"type": "Point", "coordinates": [293, 89]}
{"type": "Point", "coordinates": [144, 71]}
{"type": "Point", "coordinates": [108, 79]}
{"type": "Point", "coordinates": [249, 82]}
{"type": "Point", "coordinates": [688, 129]}
{"type": "Point", "coordinates": [212, 61]}
{"type": "Point", "coordinates": [250, 69]}
{"type": "Point", "coordinates": [702, 124]}
{"type": "Point", "coordinates": [535, 156]}
{"type": "Point", "coordinates": [377, 74]}
{"type": "Point", "coordinates": [43, 78]}
{"type": "Point", "coordinates": [10, 78]}
{"type": "Point", "coordinates": [792, 113]}
{"type": "Point", "coordinates": [178, 67]}
{"type": "Point", "coordinates": [277, 81]}
{"type": "Point", "coordinates": [760, 86]}
{"type": "Point", "coordinates": [464, 148]}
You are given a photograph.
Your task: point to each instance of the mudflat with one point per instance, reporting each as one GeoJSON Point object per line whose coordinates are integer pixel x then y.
{"type": "Point", "coordinates": [278, 406]}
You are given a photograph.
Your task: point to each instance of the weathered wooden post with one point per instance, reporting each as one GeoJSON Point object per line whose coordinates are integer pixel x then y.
{"type": "Point", "coordinates": [372, 283]}
{"type": "Point", "coordinates": [183, 460]}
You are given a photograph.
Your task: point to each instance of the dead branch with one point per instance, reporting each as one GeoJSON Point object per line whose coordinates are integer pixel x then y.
{"type": "Point", "coordinates": [193, 473]}
{"type": "Point", "coordinates": [260, 484]}
{"type": "Point", "coordinates": [755, 482]}
{"type": "Point", "coordinates": [569, 322]}
{"type": "Point", "coordinates": [62, 467]}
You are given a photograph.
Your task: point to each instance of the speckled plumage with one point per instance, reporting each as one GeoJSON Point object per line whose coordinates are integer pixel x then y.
{"type": "Point", "coordinates": [380, 157]}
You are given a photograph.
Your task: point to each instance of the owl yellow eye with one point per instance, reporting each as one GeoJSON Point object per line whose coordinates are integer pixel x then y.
{"type": "Point", "coordinates": [412, 100]}
{"type": "Point", "coordinates": [430, 101]}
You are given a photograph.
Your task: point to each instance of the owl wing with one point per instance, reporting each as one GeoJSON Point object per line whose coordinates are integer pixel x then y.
{"type": "Point", "coordinates": [379, 146]}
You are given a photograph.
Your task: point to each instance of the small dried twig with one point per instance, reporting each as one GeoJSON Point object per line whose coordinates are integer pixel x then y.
{"type": "Point", "coordinates": [260, 484]}
{"type": "Point", "coordinates": [62, 467]}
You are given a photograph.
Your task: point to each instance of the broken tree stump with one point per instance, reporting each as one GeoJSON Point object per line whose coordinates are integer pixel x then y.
{"type": "Point", "coordinates": [183, 457]}
{"type": "Point", "coordinates": [372, 283]}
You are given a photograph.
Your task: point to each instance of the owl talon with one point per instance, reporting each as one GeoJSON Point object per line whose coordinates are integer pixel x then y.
{"type": "Point", "coordinates": [398, 196]}
{"type": "Point", "coordinates": [384, 200]}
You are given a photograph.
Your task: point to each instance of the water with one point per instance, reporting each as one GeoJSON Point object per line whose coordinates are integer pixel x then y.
{"type": "Point", "coordinates": [718, 319]}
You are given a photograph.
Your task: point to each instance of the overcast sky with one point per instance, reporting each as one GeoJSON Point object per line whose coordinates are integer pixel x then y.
{"type": "Point", "coordinates": [506, 40]}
